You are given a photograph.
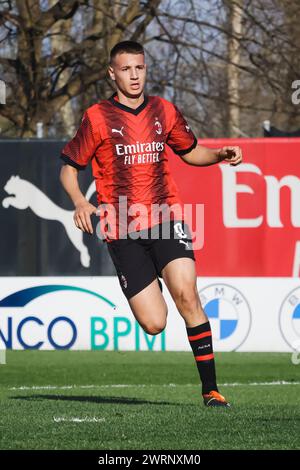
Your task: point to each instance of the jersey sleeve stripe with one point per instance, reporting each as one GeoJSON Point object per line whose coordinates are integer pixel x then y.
{"type": "Point", "coordinates": [183, 152]}
{"type": "Point", "coordinates": [71, 162]}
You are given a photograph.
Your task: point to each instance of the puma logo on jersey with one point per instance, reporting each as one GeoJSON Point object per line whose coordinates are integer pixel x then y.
{"type": "Point", "coordinates": [117, 131]}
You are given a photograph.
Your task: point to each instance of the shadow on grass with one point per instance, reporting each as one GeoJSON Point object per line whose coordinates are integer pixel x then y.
{"type": "Point", "coordinates": [94, 399]}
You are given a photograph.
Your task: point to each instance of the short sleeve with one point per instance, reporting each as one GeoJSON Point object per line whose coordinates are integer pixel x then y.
{"type": "Point", "coordinates": [181, 138]}
{"type": "Point", "coordinates": [81, 148]}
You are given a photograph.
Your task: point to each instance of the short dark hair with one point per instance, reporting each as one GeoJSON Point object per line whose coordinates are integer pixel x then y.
{"type": "Point", "coordinates": [131, 47]}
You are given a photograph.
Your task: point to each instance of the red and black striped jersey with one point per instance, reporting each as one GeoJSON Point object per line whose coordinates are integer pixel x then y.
{"type": "Point", "coordinates": [128, 150]}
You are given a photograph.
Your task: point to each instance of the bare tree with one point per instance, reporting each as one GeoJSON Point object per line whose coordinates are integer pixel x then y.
{"type": "Point", "coordinates": [235, 15]}
{"type": "Point", "coordinates": [36, 76]}
{"type": "Point", "coordinates": [229, 64]}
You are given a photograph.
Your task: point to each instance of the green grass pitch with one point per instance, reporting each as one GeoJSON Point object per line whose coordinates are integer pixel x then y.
{"type": "Point", "coordinates": [146, 400]}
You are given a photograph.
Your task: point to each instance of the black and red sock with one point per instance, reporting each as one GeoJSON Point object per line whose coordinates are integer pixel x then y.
{"type": "Point", "coordinates": [200, 339]}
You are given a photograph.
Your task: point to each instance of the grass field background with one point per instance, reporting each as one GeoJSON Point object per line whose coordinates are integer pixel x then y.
{"type": "Point", "coordinates": [146, 400]}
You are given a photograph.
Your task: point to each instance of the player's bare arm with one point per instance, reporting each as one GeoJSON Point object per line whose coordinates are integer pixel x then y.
{"type": "Point", "coordinates": [83, 208]}
{"type": "Point", "coordinates": [204, 156]}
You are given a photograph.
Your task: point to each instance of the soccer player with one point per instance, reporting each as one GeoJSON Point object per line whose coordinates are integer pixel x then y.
{"type": "Point", "coordinates": [126, 139]}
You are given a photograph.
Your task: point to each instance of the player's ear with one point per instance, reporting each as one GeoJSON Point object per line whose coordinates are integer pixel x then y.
{"type": "Point", "coordinates": [111, 72]}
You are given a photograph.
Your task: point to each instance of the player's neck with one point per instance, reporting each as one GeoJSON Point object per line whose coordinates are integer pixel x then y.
{"type": "Point", "coordinates": [130, 102]}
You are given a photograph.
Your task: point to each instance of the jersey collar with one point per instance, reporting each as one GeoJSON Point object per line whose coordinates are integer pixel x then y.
{"type": "Point", "coordinates": [127, 108]}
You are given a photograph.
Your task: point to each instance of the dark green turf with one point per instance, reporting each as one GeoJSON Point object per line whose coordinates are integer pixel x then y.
{"type": "Point", "coordinates": [156, 416]}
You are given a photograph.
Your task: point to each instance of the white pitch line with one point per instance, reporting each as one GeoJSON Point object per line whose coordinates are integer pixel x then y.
{"type": "Point", "coordinates": [86, 419]}
{"type": "Point", "coordinates": [74, 387]}
{"type": "Point", "coordinates": [52, 387]}
{"type": "Point", "coordinates": [255, 384]}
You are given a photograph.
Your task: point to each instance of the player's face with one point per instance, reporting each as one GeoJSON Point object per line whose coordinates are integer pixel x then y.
{"type": "Point", "coordinates": [129, 73]}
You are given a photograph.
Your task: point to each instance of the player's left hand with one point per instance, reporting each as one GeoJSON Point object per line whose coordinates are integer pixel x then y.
{"type": "Point", "coordinates": [233, 155]}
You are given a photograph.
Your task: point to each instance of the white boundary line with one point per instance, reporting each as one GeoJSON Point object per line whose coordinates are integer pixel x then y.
{"type": "Point", "coordinates": [74, 419]}
{"type": "Point", "coordinates": [74, 387]}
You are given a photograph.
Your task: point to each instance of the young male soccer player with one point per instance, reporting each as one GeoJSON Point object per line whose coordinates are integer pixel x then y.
{"type": "Point", "coordinates": [125, 138]}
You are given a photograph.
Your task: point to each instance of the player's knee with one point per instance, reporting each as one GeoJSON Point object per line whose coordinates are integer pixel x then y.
{"type": "Point", "coordinates": [154, 327]}
{"type": "Point", "coordinates": [186, 297]}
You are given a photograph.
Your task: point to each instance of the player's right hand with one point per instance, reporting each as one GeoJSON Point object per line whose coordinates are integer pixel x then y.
{"type": "Point", "coordinates": [82, 216]}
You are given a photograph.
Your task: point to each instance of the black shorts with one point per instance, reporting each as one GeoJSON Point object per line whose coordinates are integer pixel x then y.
{"type": "Point", "coordinates": [139, 261]}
